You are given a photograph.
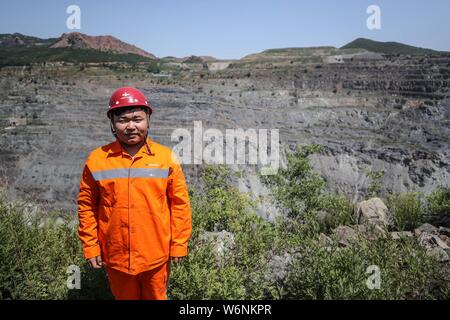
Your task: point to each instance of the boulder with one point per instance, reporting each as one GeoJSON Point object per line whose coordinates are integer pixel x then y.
{"type": "Point", "coordinates": [445, 239]}
{"type": "Point", "coordinates": [325, 240]}
{"type": "Point", "coordinates": [444, 231]}
{"type": "Point", "coordinates": [397, 235]}
{"type": "Point", "coordinates": [373, 211]}
{"type": "Point", "coordinates": [435, 246]}
{"type": "Point", "coordinates": [426, 227]}
{"type": "Point", "coordinates": [371, 232]}
{"type": "Point", "coordinates": [344, 235]}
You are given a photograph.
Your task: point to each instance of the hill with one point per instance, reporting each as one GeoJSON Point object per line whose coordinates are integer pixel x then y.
{"type": "Point", "coordinates": [17, 49]}
{"type": "Point", "coordinates": [389, 47]}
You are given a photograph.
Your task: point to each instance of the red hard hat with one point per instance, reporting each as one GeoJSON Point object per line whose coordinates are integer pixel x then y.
{"type": "Point", "coordinates": [128, 97]}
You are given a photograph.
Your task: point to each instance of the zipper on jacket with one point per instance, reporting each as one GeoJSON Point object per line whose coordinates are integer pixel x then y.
{"type": "Point", "coordinates": [129, 229]}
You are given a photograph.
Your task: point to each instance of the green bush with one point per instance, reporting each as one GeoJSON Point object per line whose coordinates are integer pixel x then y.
{"type": "Point", "coordinates": [297, 188]}
{"type": "Point", "coordinates": [199, 277]}
{"type": "Point", "coordinates": [406, 272]}
{"type": "Point", "coordinates": [407, 210]}
{"type": "Point", "coordinates": [335, 210]}
{"type": "Point", "coordinates": [438, 206]}
{"type": "Point", "coordinates": [216, 205]}
{"type": "Point", "coordinates": [375, 183]}
{"type": "Point", "coordinates": [36, 254]}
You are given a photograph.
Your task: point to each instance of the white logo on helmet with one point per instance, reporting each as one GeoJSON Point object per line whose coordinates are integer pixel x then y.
{"type": "Point", "coordinates": [125, 94]}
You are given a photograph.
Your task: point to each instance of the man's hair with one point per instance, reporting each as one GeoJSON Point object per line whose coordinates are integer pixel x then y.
{"type": "Point", "coordinates": [119, 111]}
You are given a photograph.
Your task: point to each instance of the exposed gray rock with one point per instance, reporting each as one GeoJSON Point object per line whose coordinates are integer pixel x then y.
{"type": "Point", "coordinates": [439, 253]}
{"type": "Point", "coordinates": [435, 246]}
{"type": "Point", "coordinates": [445, 239]}
{"type": "Point", "coordinates": [430, 240]}
{"type": "Point", "coordinates": [371, 231]}
{"type": "Point", "coordinates": [426, 227]}
{"type": "Point", "coordinates": [344, 235]}
{"type": "Point", "coordinates": [325, 240]}
{"type": "Point", "coordinates": [397, 235]}
{"type": "Point", "coordinates": [444, 231]}
{"type": "Point", "coordinates": [373, 211]}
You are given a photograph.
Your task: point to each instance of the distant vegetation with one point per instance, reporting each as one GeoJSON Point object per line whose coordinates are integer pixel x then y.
{"type": "Point", "coordinates": [18, 39]}
{"type": "Point", "coordinates": [24, 55]}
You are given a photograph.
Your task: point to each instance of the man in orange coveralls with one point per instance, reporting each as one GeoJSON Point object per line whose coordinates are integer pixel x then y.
{"type": "Point", "coordinates": [133, 205]}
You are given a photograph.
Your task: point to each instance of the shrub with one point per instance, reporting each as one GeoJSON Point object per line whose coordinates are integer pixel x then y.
{"type": "Point", "coordinates": [438, 206]}
{"type": "Point", "coordinates": [375, 184]}
{"type": "Point", "coordinates": [407, 210]}
{"type": "Point", "coordinates": [215, 204]}
{"type": "Point", "coordinates": [36, 254]}
{"type": "Point", "coordinates": [198, 277]}
{"type": "Point", "coordinates": [297, 188]}
{"type": "Point", "coordinates": [335, 210]}
{"type": "Point", "coordinates": [406, 272]}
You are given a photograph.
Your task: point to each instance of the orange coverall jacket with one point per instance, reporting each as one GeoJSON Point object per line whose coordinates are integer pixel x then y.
{"type": "Point", "coordinates": [135, 213]}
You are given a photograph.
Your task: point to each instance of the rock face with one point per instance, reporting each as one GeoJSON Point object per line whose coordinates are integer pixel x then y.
{"type": "Point", "coordinates": [389, 114]}
{"type": "Point", "coordinates": [77, 40]}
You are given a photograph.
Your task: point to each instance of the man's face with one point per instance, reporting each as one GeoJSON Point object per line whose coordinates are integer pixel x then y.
{"type": "Point", "coordinates": [131, 126]}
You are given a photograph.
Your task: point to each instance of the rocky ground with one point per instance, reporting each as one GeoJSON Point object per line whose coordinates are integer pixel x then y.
{"type": "Point", "coordinates": [369, 111]}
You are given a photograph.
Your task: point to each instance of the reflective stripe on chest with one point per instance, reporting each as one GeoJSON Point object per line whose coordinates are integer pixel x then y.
{"type": "Point", "coordinates": [130, 173]}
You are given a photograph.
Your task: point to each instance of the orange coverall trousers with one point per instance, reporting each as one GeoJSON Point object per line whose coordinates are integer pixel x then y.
{"type": "Point", "coordinates": [147, 285]}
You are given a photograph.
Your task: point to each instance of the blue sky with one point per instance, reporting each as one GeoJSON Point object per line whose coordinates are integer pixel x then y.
{"type": "Point", "coordinates": [231, 28]}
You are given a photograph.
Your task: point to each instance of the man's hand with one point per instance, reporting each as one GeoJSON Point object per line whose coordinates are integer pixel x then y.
{"type": "Point", "coordinates": [96, 262]}
{"type": "Point", "coordinates": [176, 259]}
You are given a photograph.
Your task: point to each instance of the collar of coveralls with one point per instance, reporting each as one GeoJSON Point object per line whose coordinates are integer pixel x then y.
{"type": "Point", "coordinates": [117, 148]}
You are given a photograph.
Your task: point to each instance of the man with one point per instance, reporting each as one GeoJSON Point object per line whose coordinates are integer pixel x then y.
{"type": "Point", "coordinates": [133, 205]}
